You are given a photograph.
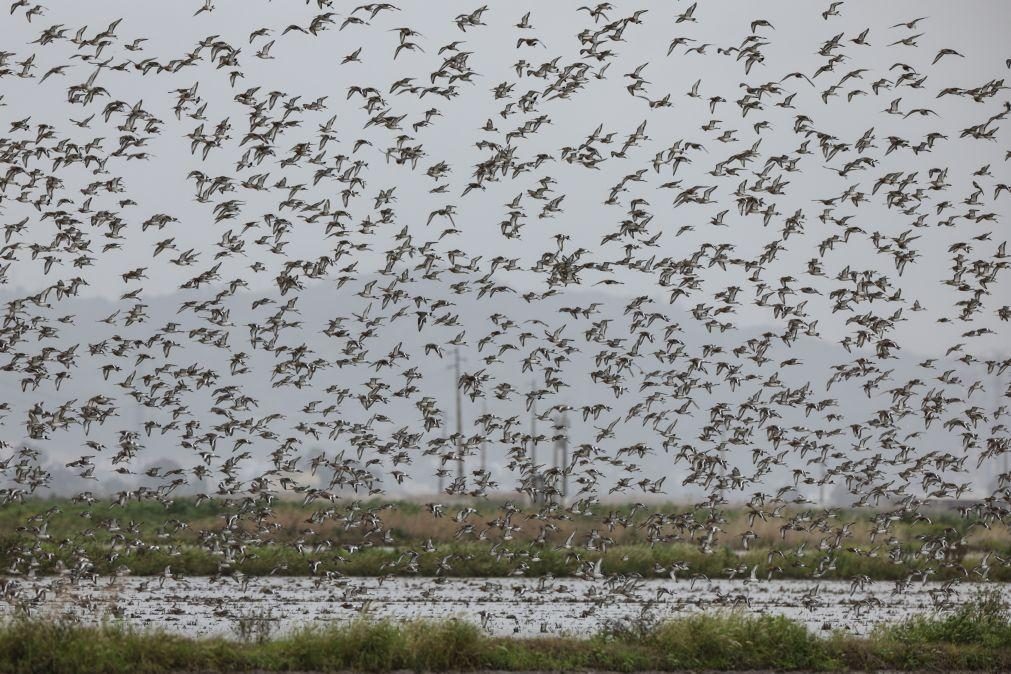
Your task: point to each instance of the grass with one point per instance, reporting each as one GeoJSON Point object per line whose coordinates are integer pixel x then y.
{"type": "Point", "coordinates": [411, 521]}
{"type": "Point", "coordinates": [474, 560]}
{"type": "Point", "coordinates": [220, 536]}
{"type": "Point", "coordinates": [976, 637]}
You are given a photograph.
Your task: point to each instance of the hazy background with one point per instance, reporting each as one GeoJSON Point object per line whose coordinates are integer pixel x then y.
{"type": "Point", "coordinates": [309, 67]}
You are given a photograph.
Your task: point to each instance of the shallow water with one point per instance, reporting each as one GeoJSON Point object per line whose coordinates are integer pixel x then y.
{"type": "Point", "coordinates": [526, 607]}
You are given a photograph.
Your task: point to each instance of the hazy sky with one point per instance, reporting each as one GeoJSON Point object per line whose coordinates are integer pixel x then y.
{"type": "Point", "coordinates": [800, 108]}
{"type": "Point", "coordinates": [310, 67]}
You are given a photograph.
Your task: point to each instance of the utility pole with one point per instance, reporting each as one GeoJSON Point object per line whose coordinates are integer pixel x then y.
{"type": "Point", "coordinates": [562, 452]}
{"type": "Point", "coordinates": [533, 427]}
{"type": "Point", "coordinates": [722, 450]}
{"type": "Point", "coordinates": [439, 462]}
{"type": "Point", "coordinates": [993, 390]}
{"type": "Point", "coordinates": [996, 393]}
{"type": "Point", "coordinates": [459, 413]}
{"type": "Point", "coordinates": [484, 439]}
{"type": "Point", "coordinates": [821, 485]}
{"type": "Point", "coordinates": [534, 475]}
{"type": "Point", "coordinates": [140, 416]}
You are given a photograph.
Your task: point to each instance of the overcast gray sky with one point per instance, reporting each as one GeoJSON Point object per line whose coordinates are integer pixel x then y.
{"type": "Point", "coordinates": [839, 106]}
{"type": "Point", "coordinates": [309, 66]}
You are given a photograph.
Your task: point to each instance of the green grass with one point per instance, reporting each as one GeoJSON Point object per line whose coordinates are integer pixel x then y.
{"type": "Point", "coordinates": [474, 560]}
{"type": "Point", "coordinates": [195, 540]}
{"type": "Point", "coordinates": [978, 636]}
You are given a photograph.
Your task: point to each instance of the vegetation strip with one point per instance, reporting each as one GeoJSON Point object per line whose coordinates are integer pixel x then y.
{"type": "Point", "coordinates": [975, 637]}
{"type": "Point", "coordinates": [169, 535]}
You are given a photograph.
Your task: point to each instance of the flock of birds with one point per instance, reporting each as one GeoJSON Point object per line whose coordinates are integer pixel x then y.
{"type": "Point", "coordinates": [603, 268]}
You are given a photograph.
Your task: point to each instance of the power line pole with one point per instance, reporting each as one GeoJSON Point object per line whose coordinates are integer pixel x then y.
{"type": "Point", "coordinates": [821, 485]}
{"type": "Point", "coordinates": [562, 452]}
{"type": "Point", "coordinates": [484, 439]}
{"type": "Point", "coordinates": [722, 450]}
{"type": "Point", "coordinates": [534, 474]}
{"type": "Point", "coordinates": [996, 393]}
{"type": "Point", "coordinates": [439, 462]}
{"type": "Point", "coordinates": [993, 390]}
{"type": "Point", "coordinates": [459, 413]}
{"type": "Point", "coordinates": [533, 427]}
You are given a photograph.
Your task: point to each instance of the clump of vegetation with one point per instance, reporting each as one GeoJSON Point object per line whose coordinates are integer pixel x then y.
{"type": "Point", "coordinates": [985, 621]}
{"type": "Point", "coordinates": [976, 636]}
{"type": "Point", "coordinates": [254, 627]}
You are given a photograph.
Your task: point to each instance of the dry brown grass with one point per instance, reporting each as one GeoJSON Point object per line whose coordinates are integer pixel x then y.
{"type": "Point", "coordinates": [409, 525]}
